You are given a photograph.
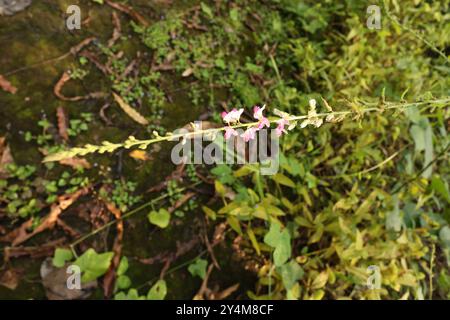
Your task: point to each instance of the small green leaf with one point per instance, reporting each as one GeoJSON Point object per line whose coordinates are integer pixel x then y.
{"type": "Point", "coordinates": [158, 291]}
{"type": "Point", "coordinates": [440, 186]}
{"type": "Point", "coordinates": [207, 10]}
{"type": "Point", "coordinates": [220, 188]}
{"type": "Point", "coordinates": [123, 282]}
{"type": "Point", "coordinates": [93, 265]}
{"type": "Point", "coordinates": [123, 266]}
{"type": "Point", "coordinates": [394, 219]}
{"type": "Point", "coordinates": [281, 241]}
{"type": "Point", "coordinates": [160, 218]}
{"type": "Point", "coordinates": [61, 257]}
{"type": "Point", "coordinates": [418, 135]}
{"type": "Point", "coordinates": [290, 273]}
{"type": "Point", "coordinates": [209, 212]}
{"type": "Point", "coordinates": [234, 14]}
{"type": "Point", "coordinates": [131, 295]}
{"type": "Point", "coordinates": [253, 240]}
{"type": "Point", "coordinates": [283, 180]}
{"type": "Point", "coordinates": [198, 268]}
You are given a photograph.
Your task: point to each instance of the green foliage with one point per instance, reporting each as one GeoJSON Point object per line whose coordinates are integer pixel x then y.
{"type": "Point", "coordinates": [93, 264]}
{"type": "Point", "coordinates": [198, 268]}
{"type": "Point", "coordinates": [370, 190]}
{"type": "Point", "coordinates": [281, 241]}
{"type": "Point", "coordinates": [158, 291]}
{"type": "Point", "coordinates": [123, 194]}
{"type": "Point", "coordinates": [159, 218]}
{"type": "Point", "coordinates": [61, 257]}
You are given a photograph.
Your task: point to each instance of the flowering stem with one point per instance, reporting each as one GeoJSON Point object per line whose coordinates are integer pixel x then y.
{"type": "Point", "coordinates": [143, 144]}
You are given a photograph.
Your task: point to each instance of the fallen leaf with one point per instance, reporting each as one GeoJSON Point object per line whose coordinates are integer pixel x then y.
{"type": "Point", "coordinates": [187, 72]}
{"type": "Point", "coordinates": [133, 114]}
{"type": "Point", "coordinates": [21, 234]}
{"type": "Point", "coordinates": [139, 155]}
{"type": "Point", "coordinates": [62, 123]}
{"type": "Point", "coordinates": [76, 163]}
{"type": "Point", "coordinates": [129, 11]}
{"type": "Point", "coordinates": [7, 86]}
{"type": "Point", "coordinates": [10, 279]}
{"type": "Point", "coordinates": [35, 252]}
{"type": "Point", "coordinates": [5, 157]}
{"type": "Point", "coordinates": [226, 293]}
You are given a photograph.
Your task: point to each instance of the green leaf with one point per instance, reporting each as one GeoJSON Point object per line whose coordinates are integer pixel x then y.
{"type": "Point", "coordinates": [93, 265]}
{"type": "Point", "coordinates": [61, 257]}
{"type": "Point", "coordinates": [439, 185]}
{"type": "Point", "coordinates": [160, 218]}
{"type": "Point", "coordinates": [209, 212]}
{"type": "Point", "coordinates": [220, 188]}
{"type": "Point", "coordinates": [253, 240]}
{"type": "Point", "coordinates": [283, 180]}
{"type": "Point", "coordinates": [123, 282]}
{"type": "Point", "coordinates": [123, 266]}
{"type": "Point", "coordinates": [281, 241]}
{"type": "Point", "coordinates": [429, 153]}
{"type": "Point", "coordinates": [158, 291]}
{"type": "Point", "coordinates": [418, 135]}
{"type": "Point", "coordinates": [131, 295]}
{"type": "Point", "coordinates": [444, 235]}
{"type": "Point", "coordinates": [220, 63]}
{"type": "Point", "coordinates": [234, 14]}
{"type": "Point", "coordinates": [394, 219]}
{"type": "Point", "coordinates": [290, 273]}
{"type": "Point", "coordinates": [223, 173]}
{"type": "Point", "coordinates": [198, 268]}
{"type": "Point", "coordinates": [207, 10]}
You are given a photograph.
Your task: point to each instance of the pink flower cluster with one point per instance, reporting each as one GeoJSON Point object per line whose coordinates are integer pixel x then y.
{"type": "Point", "coordinates": [234, 115]}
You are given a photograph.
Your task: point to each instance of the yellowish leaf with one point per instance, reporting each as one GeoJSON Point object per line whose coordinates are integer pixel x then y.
{"type": "Point", "coordinates": [133, 114]}
{"type": "Point", "coordinates": [139, 155]}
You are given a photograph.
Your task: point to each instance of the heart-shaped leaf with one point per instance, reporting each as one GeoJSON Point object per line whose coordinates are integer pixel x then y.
{"type": "Point", "coordinates": [160, 218]}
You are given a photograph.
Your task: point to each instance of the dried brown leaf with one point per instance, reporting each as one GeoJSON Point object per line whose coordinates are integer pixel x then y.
{"type": "Point", "coordinates": [21, 234]}
{"type": "Point", "coordinates": [7, 86]}
{"type": "Point", "coordinates": [62, 123]}
{"type": "Point", "coordinates": [129, 11]}
{"type": "Point", "coordinates": [10, 279]}
{"type": "Point", "coordinates": [76, 163]}
{"type": "Point", "coordinates": [133, 114]}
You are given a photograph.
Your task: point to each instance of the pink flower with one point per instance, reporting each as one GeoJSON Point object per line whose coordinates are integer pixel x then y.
{"type": "Point", "coordinates": [258, 115]}
{"type": "Point", "coordinates": [280, 128]}
{"type": "Point", "coordinates": [233, 116]}
{"type": "Point", "coordinates": [230, 132]}
{"type": "Point", "coordinates": [263, 122]}
{"type": "Point", "coordinates": [257, 112]}
{"type": "Point", "coordinates": [249, 134]}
